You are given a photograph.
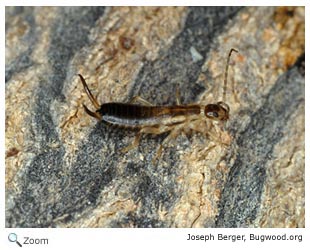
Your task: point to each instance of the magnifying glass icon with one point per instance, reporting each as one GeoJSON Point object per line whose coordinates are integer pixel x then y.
{"type": "Point", "coordinates": [13, 238]}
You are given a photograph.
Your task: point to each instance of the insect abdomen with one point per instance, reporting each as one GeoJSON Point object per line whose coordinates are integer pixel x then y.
{"type": "Point", "coordinates": [133, 115]}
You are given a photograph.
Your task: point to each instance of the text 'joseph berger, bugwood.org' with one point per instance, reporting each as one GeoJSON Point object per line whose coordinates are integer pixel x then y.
{"type": "Point", "coordinates": [242, 237]}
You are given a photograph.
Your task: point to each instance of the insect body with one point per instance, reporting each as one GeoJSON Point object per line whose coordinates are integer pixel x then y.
{"type": "Point", "coordinates": [150, 119]}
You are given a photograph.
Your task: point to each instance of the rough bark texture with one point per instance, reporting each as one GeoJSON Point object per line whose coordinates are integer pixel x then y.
{"type": "Point", "coordinates": [64, 169]}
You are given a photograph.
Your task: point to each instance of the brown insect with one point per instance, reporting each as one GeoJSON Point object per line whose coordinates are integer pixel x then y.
{"type": "Point", "coordinates": [150, 119]}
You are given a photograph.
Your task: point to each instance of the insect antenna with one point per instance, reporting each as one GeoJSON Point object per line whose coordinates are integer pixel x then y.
{"type": "Point", "coordinates": [226, 73]}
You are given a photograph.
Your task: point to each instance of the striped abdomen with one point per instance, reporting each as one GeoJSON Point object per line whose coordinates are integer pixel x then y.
{"type": "Point", "coordinates": [133, 115]}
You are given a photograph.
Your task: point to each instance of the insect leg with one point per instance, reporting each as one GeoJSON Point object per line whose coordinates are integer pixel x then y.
{"type": "Point", "coordinates": [134, 144]}
{"type": "Point", "coordinates": [156, 130]}
{"type": "Point", "coordinates": [214, 136]}
{"type": "Point", "coordinates": [208, 129]}
{"type": "Point", "coordinates": [145, 130]}
{"type": "Point", "coordinates": [140, 100]}
{"type": "Point", "coordinates": [177, 95]}
{"type": "Point", "coordinates": [173, 134]}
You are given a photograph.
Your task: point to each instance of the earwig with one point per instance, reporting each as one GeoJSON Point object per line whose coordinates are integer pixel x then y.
{"type": "Point", "coordinates": [150, 119]}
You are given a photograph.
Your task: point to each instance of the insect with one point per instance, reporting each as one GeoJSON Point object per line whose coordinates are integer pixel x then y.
{"type": "Point", "coordinates": [150, 119]}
